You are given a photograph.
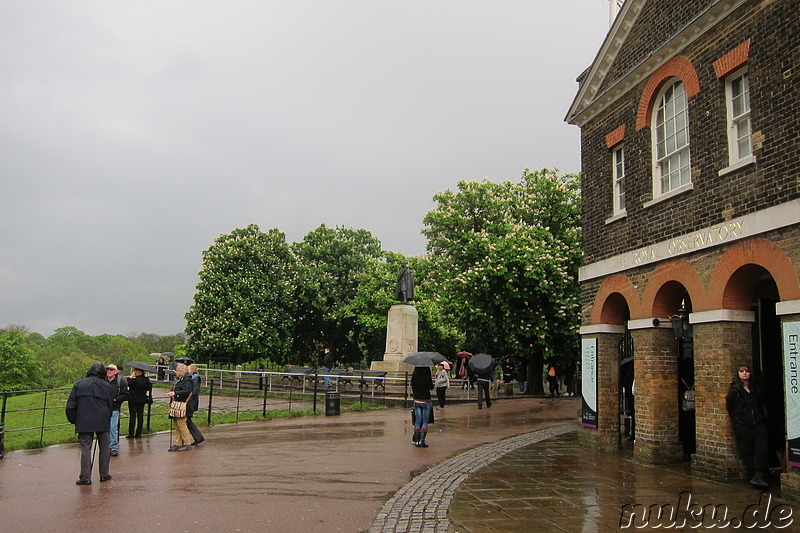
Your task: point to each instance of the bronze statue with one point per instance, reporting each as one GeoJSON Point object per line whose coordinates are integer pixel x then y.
{"type": "Point", "coordinates": [405, 285]}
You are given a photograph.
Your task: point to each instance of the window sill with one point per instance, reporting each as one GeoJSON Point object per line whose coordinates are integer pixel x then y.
{"type": "Point", "coordinates": [671, 194]}
{"type": "Point", "coordinates": [739, 164]}
{"type": "Point", "coordinates": [619, 216]}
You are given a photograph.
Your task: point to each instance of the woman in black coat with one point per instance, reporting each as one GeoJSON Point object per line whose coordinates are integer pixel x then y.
{"type": "Point", "coordinates": [139, 388]}
{"type": "Point", "coordinates": [746, 406]}
{"type": "Point", "coordinates": [421, 387]}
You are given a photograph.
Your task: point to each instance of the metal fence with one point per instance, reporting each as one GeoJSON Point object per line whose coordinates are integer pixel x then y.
{"type": "Point", "coordinates": [222, 391]}
{"type": "Point", "coordinates": [225, 392]}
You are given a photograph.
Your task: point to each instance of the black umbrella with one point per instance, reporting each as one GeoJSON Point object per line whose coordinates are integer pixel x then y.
{"type": "Point", "coordinates": [481, 363]}
{"type": "Point", "coordinates": [141, 366]}
{"type": "Point", "coordinates": [184, 360]}
{"type": "Point", "coordinates": [424, 359]}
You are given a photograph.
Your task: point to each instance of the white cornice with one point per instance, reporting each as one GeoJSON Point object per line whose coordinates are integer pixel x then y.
{"type": "Point", "coordinates": [722, 315]}
{"type": "Point", "coordinates": [790, 307]}
{"type": "Point", "coordinates": [595, 329]}
{"type": "Point", "coordinates": [772, 218]}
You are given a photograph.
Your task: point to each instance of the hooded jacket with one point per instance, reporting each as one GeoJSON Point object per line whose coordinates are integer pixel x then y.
{"type": "Point", "coordinates": [91, 401]}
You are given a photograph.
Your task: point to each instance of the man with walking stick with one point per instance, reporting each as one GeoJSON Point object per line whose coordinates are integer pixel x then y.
{"type": "Point", "coordinates": [89, 407]}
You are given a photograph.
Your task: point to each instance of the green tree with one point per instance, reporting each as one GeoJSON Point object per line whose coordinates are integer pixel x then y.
{"type": "Point", "coordinates": [66, 355]}
{"type": "Point", "coordinates": [158, 343]}
{"type": "Point", "coordinates": [19, 369]}
{"type": "Point", "coordinates": [243, 304]}
{"type": "Point", "coordinates": [438, 331]}
{"type": "Point", "coordinates": [119, 349]}
{"type": "Point", "coordinates": [507, 256]}
{"type": "Point", "coordinates": [331, 264]}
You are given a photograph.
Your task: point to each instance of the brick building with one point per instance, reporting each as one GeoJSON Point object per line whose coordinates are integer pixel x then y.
{"type": "Point", "coordinates": [690, 137]}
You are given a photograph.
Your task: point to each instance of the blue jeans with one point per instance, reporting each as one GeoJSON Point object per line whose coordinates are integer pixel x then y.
{"type": "Point", "coordinates": [422, 413]}
{"type": "Point", "coordinates": [113, 435]}
{"type": "Point", "coordinates": [325, 378]}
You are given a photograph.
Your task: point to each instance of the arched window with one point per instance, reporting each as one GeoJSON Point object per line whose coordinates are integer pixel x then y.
{"type": "Point", "coordinates": [671, 161]}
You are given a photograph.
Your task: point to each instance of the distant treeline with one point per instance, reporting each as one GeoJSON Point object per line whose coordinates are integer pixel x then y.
{"type": "Point", "coordinates": [29, 360]}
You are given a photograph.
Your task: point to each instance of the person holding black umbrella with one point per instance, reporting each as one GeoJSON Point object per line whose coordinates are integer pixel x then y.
{"type": "Point", "coordinates": [483, 366]}
{"type": "Point", "coordinates": [421, 387]}
{"type": "Point", "coordinates": [139, 395]}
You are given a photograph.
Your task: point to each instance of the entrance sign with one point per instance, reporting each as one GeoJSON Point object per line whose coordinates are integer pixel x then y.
{"type": "Point", "coordinates": [589, 382]}
{"type": "Point", "coordinates": [791, 388]}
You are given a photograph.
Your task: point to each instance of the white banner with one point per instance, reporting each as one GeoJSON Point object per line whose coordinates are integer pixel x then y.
{"type": "Point", "coordinates": [791, 375]}
{"type": "Point", "coordinates": [589, 382]}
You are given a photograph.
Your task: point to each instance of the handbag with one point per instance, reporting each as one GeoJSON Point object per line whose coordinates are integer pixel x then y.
{"type": "Point", "coordinates": [178, 409]}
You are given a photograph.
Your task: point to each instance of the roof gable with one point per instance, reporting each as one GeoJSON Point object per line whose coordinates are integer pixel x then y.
{"type": "Point", "coordinates": [608, 78]}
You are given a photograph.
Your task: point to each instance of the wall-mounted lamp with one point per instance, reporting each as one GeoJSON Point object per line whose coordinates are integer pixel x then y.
{"type": "Point", "coordinates": [680, 323]}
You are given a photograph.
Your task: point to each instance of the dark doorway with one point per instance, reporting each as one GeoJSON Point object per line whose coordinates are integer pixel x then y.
{"type": "Point", "coordinates": [626, 392]}
{"type": "Point", "coordinates": [768, 364]}
{"type": "Point", "coordinates": [687, 430]}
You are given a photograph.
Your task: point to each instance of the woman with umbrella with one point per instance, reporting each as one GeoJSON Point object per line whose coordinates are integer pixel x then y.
{"type": "Point", "coordinates": [139, 395]}
{"type": "Point", "coordinates": [421, 387]}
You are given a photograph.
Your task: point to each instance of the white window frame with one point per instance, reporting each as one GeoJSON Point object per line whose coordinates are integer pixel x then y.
{"type": "Point", "coordinates": [739, 119]}
{"type": "Point", "coordinates": [618, 183]}
{"type": "Point", "coordinates": [672, 168]}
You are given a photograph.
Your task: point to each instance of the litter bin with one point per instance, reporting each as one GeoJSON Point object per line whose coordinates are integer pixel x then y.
{"type": "Point", "coordinates": [332, 404]}
{"type": "Point", "coordinates": [509, 389]}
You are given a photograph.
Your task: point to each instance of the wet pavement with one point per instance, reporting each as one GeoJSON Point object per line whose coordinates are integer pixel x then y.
{"type": "Point", "coordinates": [514, 467]}
{"type": "Point", "coordinates": [556, 485]}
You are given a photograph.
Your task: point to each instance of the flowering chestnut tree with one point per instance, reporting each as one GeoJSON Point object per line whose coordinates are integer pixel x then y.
{"type": "Point", "coordinates": [244, 303]}
{"type": "Point", "coordinates": [507, 257]}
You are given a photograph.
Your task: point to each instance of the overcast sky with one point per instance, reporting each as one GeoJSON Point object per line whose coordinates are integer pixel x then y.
{"type": "Point", "coordinates": [133, 134]}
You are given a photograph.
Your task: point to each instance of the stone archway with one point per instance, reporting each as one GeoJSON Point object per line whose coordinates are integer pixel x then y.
{"type": "Point", "coordinates": [610, 313]}
{"type": "Point", "coordinates": [658, 352]}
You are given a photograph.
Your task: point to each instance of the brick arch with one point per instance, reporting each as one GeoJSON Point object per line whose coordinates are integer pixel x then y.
{"type": "Point", "coordinates": [658, 298]}
{"type": "Point", "coordinates": [734, 275]}
{"type": "Point", "coordinates": [677, 67]}
{"type": "Point", "coordinates": [614, 292]}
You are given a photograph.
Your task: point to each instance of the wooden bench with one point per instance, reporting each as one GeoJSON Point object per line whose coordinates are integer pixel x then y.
{"type": "Point", "coordinates": [374, 377]}
{"type": "Point", "coordinates": [295, 373]}
{"type": "Point", "coordinates": [342, 375]}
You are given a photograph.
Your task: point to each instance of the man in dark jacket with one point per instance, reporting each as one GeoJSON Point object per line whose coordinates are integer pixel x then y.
{"type": "Point", "coordinates": [89, 407]}
{"type": "Point", "coordinates": [119, 387]}
{"type": "Point", "coordinates": [193, 406]}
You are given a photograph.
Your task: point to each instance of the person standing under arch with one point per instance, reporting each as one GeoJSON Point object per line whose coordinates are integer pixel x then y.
{"type": "Point", "coordinates": [745, 405]}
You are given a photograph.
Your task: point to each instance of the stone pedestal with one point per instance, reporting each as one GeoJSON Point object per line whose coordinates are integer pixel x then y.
{"type": "Point", "coordinates": [401, 338]}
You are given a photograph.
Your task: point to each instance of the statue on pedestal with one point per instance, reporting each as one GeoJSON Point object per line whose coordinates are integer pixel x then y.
{"type": "Point", "coordinates": [405, 285]}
